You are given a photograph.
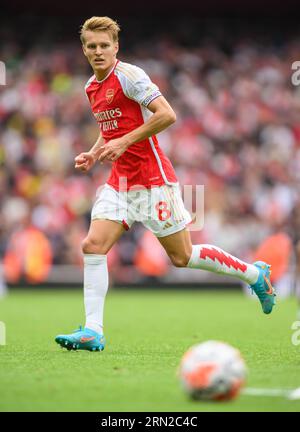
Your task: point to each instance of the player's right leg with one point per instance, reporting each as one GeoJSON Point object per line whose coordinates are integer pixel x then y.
{"type": "Point", "coordinates": [102, 235]}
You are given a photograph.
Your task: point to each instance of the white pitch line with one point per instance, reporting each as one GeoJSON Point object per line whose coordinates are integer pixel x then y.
{"type": "Point", "coordinates": [293, 394]}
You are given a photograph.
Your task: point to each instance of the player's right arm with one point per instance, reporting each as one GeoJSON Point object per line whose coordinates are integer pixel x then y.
{"type": "Point", "coordinates": [85, 161]}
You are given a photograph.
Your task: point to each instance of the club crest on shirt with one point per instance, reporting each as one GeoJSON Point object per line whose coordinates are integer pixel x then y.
{"type": "Point", "coordinates": [109, 95]}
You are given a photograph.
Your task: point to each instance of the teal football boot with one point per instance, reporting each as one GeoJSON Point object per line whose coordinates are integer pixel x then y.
{"type": "Point", "coordinates": [263, 288]}
{"type": "Point", "coordinates": [84, 339]}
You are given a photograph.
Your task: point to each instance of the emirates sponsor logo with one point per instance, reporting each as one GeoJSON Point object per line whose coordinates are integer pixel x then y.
{"type": "Point", "coordinates": [108, 114]}
{"type": "Point", "coordinates": [109, 125]}
{"type": "Point", "coordinates": [108, 119]}
{"type": "Point", "coordinates": [109, 95]}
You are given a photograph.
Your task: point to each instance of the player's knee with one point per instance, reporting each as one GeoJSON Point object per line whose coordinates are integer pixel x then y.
{"type": "Point", "coordinates": [180, 260]}
{"type": "Point", "coordinates": [91, 245]}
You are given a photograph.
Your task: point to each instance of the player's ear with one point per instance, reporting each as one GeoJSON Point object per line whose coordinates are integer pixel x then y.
{"type": "Point", "coordinates": [116, 47]}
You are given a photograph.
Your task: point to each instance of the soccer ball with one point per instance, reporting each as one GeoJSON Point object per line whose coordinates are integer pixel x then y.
{"type": "Point", "coordinates": [212, 370]}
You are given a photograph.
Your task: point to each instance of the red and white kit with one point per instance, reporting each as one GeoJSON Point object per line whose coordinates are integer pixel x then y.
{"type": "Point", "coordinates": [119, 104]}
{"type": "Point", "coordinates": [151, 195]}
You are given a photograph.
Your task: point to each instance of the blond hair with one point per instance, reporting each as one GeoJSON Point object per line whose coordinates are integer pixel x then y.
{"type": "Point", "coordinates": [100, 24]}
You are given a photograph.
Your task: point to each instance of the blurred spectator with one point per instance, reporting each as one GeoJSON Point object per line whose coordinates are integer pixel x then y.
{"type": "Point", "coordinates": [28, 256]}
{"type": "Point", "coordinates": [277, 251]}
{"type": "Point", "coordinates": [150, 258]}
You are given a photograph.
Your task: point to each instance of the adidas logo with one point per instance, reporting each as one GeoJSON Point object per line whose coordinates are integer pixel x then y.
{"type": "Point", "coordinates": [168, 225]}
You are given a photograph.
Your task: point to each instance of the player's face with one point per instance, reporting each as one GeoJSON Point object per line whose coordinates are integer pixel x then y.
{"type": "Point", "coordinates": [101, 51]}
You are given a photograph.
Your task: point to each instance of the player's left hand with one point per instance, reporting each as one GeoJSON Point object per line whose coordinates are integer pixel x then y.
{"type": "Point", "coordinates": [113, 149]}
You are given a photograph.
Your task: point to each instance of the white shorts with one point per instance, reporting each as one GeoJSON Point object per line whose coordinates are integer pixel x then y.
{"type": "Point", "coordinates": [160, 209]}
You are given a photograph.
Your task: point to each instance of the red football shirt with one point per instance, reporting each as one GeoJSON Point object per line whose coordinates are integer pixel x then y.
{"type": "Point", "coordinates": [119, 103]}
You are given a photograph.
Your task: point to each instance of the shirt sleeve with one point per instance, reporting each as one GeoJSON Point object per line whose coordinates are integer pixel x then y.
{"type": "Point", "coordinates": [136, 84]}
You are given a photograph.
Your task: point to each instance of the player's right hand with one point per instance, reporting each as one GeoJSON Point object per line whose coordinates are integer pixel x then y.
{"type": "Point", "coordinates": [84, 161]}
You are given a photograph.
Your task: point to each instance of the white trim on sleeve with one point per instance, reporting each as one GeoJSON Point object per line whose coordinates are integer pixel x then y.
{"type": "Point", "coordinates": [136, 84]}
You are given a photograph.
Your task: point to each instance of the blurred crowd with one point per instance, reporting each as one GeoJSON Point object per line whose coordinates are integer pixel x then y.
{"type": "Point", "coordinates": [237, 133]}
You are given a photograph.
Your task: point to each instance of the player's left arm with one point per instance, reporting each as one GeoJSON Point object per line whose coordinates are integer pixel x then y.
{"type": "Point", "coordinates": [163, 116]}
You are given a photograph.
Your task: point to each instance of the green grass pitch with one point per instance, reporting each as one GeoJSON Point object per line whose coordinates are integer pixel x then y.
{"type": "Point", "coordinates": [147, 333]}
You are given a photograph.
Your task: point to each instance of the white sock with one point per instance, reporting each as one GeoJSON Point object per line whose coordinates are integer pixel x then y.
{"type": "Point", "coordinates": [214, 259]}
{"type": "Point", "coordinates": [95, 289]}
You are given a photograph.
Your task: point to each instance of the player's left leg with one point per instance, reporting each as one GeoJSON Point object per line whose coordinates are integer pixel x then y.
{"type": "Point", "coordinates": [207, 257]}
{"type": "Point", "coordinates": [108, 223]}
{"type": "Point", "coordinates": [102, 235]}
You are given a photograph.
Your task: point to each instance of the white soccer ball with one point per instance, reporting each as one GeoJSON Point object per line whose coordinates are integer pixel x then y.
{"type": "Point", "coordinates": [212, 370]}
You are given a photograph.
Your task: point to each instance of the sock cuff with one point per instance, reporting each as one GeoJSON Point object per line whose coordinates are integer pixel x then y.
{"type": "Point", "coordinates": [94, 259]}
{"type": "Point", "coordinates": [195, 249]}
